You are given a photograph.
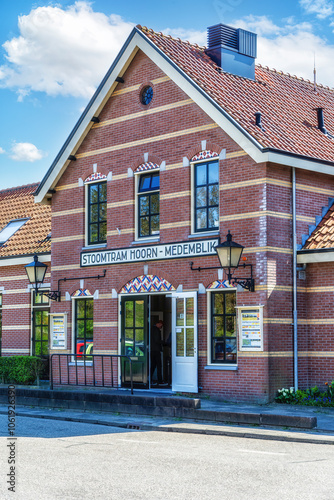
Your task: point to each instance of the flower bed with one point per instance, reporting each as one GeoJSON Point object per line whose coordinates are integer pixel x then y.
{"type": "Point", "coordinates": [309, 397]}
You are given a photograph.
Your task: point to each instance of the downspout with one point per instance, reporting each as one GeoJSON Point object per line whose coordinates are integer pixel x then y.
{"type": "Point", "coordinates": [294, 271]}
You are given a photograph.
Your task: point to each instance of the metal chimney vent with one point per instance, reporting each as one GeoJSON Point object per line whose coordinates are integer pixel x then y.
{"type": "Point", "coordinates": [233, 50]}
{"type": "Point", "coordinates": [220, 34]}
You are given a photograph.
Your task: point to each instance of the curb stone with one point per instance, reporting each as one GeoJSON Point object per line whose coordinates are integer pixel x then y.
{"type": "Point", "coordinates": [206, 428]}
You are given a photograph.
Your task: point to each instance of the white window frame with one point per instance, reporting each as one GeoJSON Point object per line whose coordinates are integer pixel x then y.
{"type": "Point", "coordinates": [219, 366]}
{"type": "Point", "coordinates": [192, 198]}
{"type": "Point", "coordinates": [87, 244]}
{"type": "Point", "coordinates": [137, 175]}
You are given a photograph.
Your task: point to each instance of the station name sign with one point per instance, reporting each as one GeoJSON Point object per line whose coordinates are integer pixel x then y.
{"type": "Point", "coordinates": [149, 252]}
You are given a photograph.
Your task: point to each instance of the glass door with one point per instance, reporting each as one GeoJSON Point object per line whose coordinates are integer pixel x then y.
{"type": "Point", "coordinates": [40, 344]}
{"type": "Point", "coordinates": [134, 340]}
{"type": "Point", "coordinates": [184, 342]}
{"type": "Point", "coordinates": [40, 331]}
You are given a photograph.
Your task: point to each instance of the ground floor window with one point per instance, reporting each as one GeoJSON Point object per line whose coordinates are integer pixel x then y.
{"type": "Point", "coordinates": [223, 327]}
{"type": "Point", "coordinates": [83, 326]}
{"type": "Point", "coordinates": [40, 330]}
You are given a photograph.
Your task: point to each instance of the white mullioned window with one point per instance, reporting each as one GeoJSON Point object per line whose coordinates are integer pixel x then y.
{"type": "Point", "coordinates": [148, 204]}
{"type": "Point", "coordinates": [222, 327]}
{"type": "Point", "coordinates": [205, 196]}
{"type": "Point", "coordinates": [96, 213]}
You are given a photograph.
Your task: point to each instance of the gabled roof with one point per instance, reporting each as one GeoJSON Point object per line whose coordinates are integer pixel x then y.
{"type": "Point", "coordinates": [290, 135]}
{"type": "Point", "coordinates": [287, 104]}
{"type": "Point", "coordinates": [18, 203]}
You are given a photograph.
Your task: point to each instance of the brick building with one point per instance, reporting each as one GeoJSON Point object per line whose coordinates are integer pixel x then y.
{"type": "Point", "coordinates": [179, 145]}
{"type": "Point", "coordinates": [25, 230]}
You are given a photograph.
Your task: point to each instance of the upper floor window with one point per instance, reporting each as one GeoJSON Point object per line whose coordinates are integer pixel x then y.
{"type": "Point", "coordinates": [97, 213]}
{"type": "Point", "coordinates": [149, 205]}
{"type": "Point", "coordinates": [206, 195]}
{"type": "Point", "coordinates": [146, 95]}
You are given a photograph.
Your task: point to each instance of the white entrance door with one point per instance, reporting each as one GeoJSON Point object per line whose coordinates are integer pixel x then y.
{"type": "Point", "coordinates": [184, 342]}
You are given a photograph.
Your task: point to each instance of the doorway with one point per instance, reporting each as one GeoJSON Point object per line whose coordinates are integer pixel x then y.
{"type": "Point", "coordinates": [138, 315]}
{"type": "Point", "coordinates": [179, 342]}
{"type": "Point", "coordinates": [161, 310]}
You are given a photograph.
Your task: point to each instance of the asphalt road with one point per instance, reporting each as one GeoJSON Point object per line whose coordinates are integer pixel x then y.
{"type": "Point", "coordinates": [68, 460]}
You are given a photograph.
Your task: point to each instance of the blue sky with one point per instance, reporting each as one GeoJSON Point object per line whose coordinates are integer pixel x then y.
{"type": "Point", "coordinates": [54, 54]}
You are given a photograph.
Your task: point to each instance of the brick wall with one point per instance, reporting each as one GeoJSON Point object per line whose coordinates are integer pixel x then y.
{"type": "Point", "coordinates": [16, 310]}
{"type": "Point", "coordinates": [255, 205]}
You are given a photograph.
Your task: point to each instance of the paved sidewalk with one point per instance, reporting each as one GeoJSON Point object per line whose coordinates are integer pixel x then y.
{"type": "Point", "coordinates": [323, 434]}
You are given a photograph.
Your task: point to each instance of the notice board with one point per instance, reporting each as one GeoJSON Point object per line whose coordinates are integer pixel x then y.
{"type": "Point", "coordinates": [58, 329]}
{"type": "Point", "coordinates": [251, 328]}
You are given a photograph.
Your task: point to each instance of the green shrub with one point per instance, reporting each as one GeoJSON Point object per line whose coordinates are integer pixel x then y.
{"type": "Point", "coordinates": [310, 397]}
{"type": "Point", "coordinates": [21, 369]}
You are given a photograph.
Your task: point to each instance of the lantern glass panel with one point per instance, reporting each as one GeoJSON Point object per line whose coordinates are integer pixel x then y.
{"type": "Point", "coordinates": [235, 256]}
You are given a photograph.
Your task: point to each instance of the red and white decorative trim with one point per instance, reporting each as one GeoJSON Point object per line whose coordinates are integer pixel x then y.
{"type": "Point", "coordinates": [97, 176]}
{"type": "Point", "coordinates": [82, 292]}
{"type": "Point", "coordinates": [147, 283]}
{"type": "Point", "coordinates": [218, 284]}
{"type": "Point", "coordinates": [146, 166]}
{"type": "Point", "coordinates": [204, 155]}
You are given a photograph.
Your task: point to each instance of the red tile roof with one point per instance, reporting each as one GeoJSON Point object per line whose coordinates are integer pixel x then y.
{"type": "Point", "coordinates": [323, 235]}
{"type": "Point", "coordinates": [287, 103]}
{"type": "Point", "coordinates": [18, 203]}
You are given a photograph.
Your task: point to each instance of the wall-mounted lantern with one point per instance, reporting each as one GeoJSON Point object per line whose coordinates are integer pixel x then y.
{"type": "Point", "coordinates": [229, 254]}
{"type": "Point", "coordinates": [36, 273]}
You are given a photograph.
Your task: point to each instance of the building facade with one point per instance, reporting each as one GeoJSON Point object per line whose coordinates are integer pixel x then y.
{"type": "Point", "coordinates": [176, 149]}
{"type": "Point", "coordinates": [25, 231]}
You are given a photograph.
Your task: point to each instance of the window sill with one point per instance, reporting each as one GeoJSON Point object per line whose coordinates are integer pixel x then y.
{"type": "Point", "coordinates": [221, 367]}
{"type": "Point", "coordinates": [90, 247]}
{"type": "Point", "coordinates": [80, 363]}
{"type": "Point", "coordinates": [146, 240]}
{"type": "Point", "coordinates": [206, 233]}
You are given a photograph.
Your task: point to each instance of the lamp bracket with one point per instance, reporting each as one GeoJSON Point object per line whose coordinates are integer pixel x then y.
{"type": "Point", "coordinates": [83, 278]}
{"type": "Point", "coordinates": [55, 294]}
{"type": "Point", "coordinates": [52, 295]}
{"type": "Point", "coordinates": [200, 268]}
{"type": "Point", "coordinates": [78, 278]}
{"type": "Point", "coordinates": [246, 283]}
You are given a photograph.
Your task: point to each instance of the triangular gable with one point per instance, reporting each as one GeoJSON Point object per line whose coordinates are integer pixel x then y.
{"type": "Point", "coordinates": [138, 40]}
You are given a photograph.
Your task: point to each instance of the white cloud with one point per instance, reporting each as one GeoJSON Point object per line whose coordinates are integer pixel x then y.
{"type": "Point", "coordinates": [321, 8]}
{"type": "Point", "coordinates": [62, 51]}
{"type": "Point", "coordinates": [192, 36]}
{"type": "Point", "coordinates": [25, 151]}
{"type": "Point", "coordinates": [261, 25]}
{"type": "Point", "coordinates": [2, 151]}
{"type": "Point", "coordinates": [291, 48]}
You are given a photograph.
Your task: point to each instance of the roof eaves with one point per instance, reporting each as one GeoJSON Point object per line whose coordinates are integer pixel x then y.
{"type": "Point", "coordinates": [296, 155]}
{"type": "Point", "coordinates": [315, 256]}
